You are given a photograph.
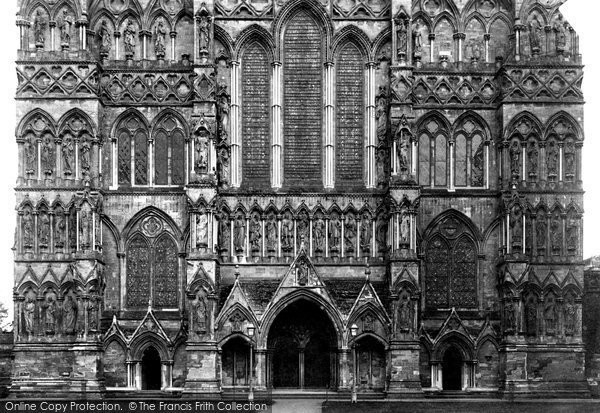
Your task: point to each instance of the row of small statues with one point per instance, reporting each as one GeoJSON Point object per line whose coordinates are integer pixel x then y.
{"type": "Point", "coordinates": [56, 317]}
{"type": "Point", "coordinates": [552, 161]}
{"type": "Point", "coordinates": [48, 156]}
{"type": "Point", "coordinates": [531, 318]}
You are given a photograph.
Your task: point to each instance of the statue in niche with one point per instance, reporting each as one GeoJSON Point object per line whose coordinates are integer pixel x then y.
{"type": "Point", "coordinates": [365, 234]}
{"type": "Point", "coordinates": [65, 28]}
{"type": "Point", "coordinates": [69, 315]}
{"type": "Point", "coordinates": [509, 317]}
{"type": "Point", "coordinates": [381, 116]}
{"type": "Point", "coordinates": [401, 37]}
{"type": "Point", "coordinates": [67, 156]}
{"type": "Point", "coordinates": [39, 26]}
{"type": "Point", "coordinates": [255, 233]}
{"type": "Point", "coordinates": [271, 234]}
{"type": "Point", "coordinates": [129, 38]}
{"type": "Point", "coordinates": [381, 237]}
{"type": "Point", "coordinates": [44, 229]}
{"type": "Point", "coordinates": [73, 229]}
{"type": "Point", "coordinates": [59, 231]}
{"type": "Point", "coordinates": [403, 145]}
{"type": "Point", "coordinates": [535, 30]}
{"type": "Point", "coordinates": [287, 232]}
{"type": "Point", "coordinates": [29, 314]}
{"type": "Point", "coordinates": [532, 158]}
{"type": "Point", "coordinates": [350, 234]}
{"type": "Point", "coordinates": [368, 322]}
{"type": "Point", "coordinates": [572, 237]}
{"type": "Point", "coordinates": [515, 159]}
{"type": "Point", "coordinates": [84, 230]}
{"type": "Point", "coordinates": [570, 316]}
{"type": "Point", "coordinates": [160, 34]}
{"type": "Point", "coordinates": [85, 155]}
{"type": "Point", "coordinates": [319, 234]}
{"type": "Point", "coordinates": [540, 233]}
{"type": "Point", "coordinates": [531, 318]}
{"type": "Point", "coordinates": [405, 229]}
{"type": "Point", "coordinates": [477, 167]}
{"type": "Point", "coordinates": [201, 312]}
{"type": "Point", "coordinates": [555, 234]}
{"type": "Point", "coordinates": [224, 233]}
{"type": "Point", "coordinates": [50, 313]}
{"type": "Point", "coordinates": [335, 232]}
{"type": "Point", "coordinates": [302, 273]}
{"type": "Point", "coordinates": [93, 314]}
{"type": "Point", "coordinates": [48, 157]}
{"type": "Point", "coordinates": [404, 315]}
{"type": "Point", "coordinates": [302, 230]}
{"type": "Point", "coordinates": [570, 159]}
{"type": "Point", "coordinates": [223, 110]}
{"type": "Point", "coordinates": [552, 160]}
{"type": "Point", "coordinates": [201, 155]}
{"type": "Point", "coordinates": [550, 317]}
{"type": "Point", "coordinates": [517, 229]}
{"type": "Point", "coordinates": [30, 156]}
{"type": "Point", "coordinates": [105, 38]}
{"type": "Point", "coordinates": [223, 167]}
{"type": "Point", "coordinates": [27, 229]}
{"type": "Point", "coordinates": [204, 33]}
{"type": "Point", "coordinates": [418, 37]}
{"type": "Point", "coordinates": [560, 35]}
{"type": "Point", "coordinates": [201, 230]}
{"type": "Point", "coordinates": [239, 234]}
{"type": "Point", "coordinates": [528, 234]}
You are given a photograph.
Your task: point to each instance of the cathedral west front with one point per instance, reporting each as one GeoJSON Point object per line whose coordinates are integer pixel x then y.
{"type": "Point", "coordinates": [231, 196]}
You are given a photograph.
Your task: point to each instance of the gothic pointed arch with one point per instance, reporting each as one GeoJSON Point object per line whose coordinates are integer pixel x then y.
{"type": "Point", "coordinates": [170, 134]}
{"type": "Point", "coordinates": [131, 131]}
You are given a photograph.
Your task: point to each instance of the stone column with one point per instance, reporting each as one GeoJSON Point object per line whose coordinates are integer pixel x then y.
{"type": "Point", "coordinates": [277, 145]}
{"type": "Point", "coordinates": [234, 133]}
{"type": "Point", "coordinates": [173, 35]}
{"type": "Point", "coordinates": [117, 36]}
{"type": "Point", "coordinates": [431, 44]}
{"type": "Point", "coordinates": [329, 147]}
{"type": "Point", "coordinates": [459, 40]}
{"type": "Point", "coordinates": [371, 164]}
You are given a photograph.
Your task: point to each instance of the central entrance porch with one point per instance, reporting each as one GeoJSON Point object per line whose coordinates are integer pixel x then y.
{"type": "Point", "coordinates": [302, 348]}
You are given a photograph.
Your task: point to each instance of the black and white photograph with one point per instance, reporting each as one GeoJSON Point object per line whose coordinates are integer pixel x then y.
{"type": "Point", "coordinates": [337, 206]}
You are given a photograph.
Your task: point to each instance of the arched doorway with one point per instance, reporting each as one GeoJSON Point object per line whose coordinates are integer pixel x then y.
{"type": "Point", "coordinates": [370, 354]}
{"type": "Point", "coordinates": [151, 369]}
{"type": "Point", "coordinates": [452, 366]}
{"type": "Point", "coordinates": [235, 362]}
{"type": "Point", "coordinates": [302, 348]}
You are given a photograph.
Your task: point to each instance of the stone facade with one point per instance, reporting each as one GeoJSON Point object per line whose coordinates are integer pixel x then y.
{"type": "Point", "coordinates": [219, 196]}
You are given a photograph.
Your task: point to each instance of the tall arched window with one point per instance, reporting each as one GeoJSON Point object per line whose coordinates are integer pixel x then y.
{"type": "Point", "coordinates": [169, 152]}
{"type": "Point", "coordinates": [350, 112]}
{"type": "Point", "coordinates": [433, 154]}
{"type": "Point", "coordinates": [152, 266]}
{"type": "Point", "coordinates": [132, 136]}
{"type": "Point", "coordinates": [303, 101]}
{"type": "Point", "coordinates": [469, 154]}
{"type": "Point", "coordinates": [256, 121]}
{"type": "Point", "coordinates": [451, 266]}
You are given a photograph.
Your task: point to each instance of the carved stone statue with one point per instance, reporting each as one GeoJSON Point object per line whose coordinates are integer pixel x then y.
{"type": "Point", "coordinates": [48, 157]}
{"type": "Point", "coordinates": [27, 229]}
{"type": "Point", "coordinates": [105, 38]}
{"type": "Point", "coordinates": [401, 37]}
{"type": "Point", "coordinates": [287, 233]}
{"type": "Point", "coordinates": [93, 314]}
{"type": "Point", "coordinates": [532, 158]}
{"type": "Point", "coordinates": [223, 108]}
{"type": "Point", "coordinates": [350, 234]}
{"type": "Point", "coordinates": [84, 230]}
{"type": "Point", "coordinates": [223, 167]}
{"type": "Point", "coordinates": [517, 230]}
{"type": "Point", "coordinates": [365, 234]}
{"type": "Point", "coordinates": [30, 156]}
{"type": "Point", "coordinates": [160, 33]}
{"type": "Point", "coordinates": [69, 315]}
{"type": "Point", "coordinates": [29, 315]}
{"type": "Point", "coordinates": [255, 233]}
{"type": "Point", "coordinates": [271, 234]}
{"type": "Point", "coordinates": [201, 230]}
{"type": "Point", "coordinates": [531, 318]}
{"type": "Point", "coordinates": [204, 33]}
{"type": "Point", "coordinates": [302, 230]}
{"type": "Point", "coordinates": [335, 232]}
{"type": "Point", "coordinates": [239, 236]}
{"type": "Point", "coordinates": [560, 35]}
{"type": "Point", "coordinates": [39, 27]}
{"type": "Point", "coordinates": [44, 229]}
{"type": "Point", "coordinates": [418, 38]}
{"type": "Point", "coordinates": [59, 230]}
{"type": "Point", "coordinates": [319, 234]}
{"type": "Point", "coordinates": [535, 30]}
{"type": "Point", "coordinates": [404, 316]}
{"type": "Point", "coordinates": [129, 38]}
{"type": "Point", "coordinates": [201, 163]}
{"type": "Point", "coordinates": [555, 234]}
{"type": "Point", "coordinates": [381, 118]}
{"type": "Point", "coordinates": [201, 312]}
{"type": "Point", "coordinates": [224, 233]}
{"type": "Point", "coordinates": [86, 148]}
{"type": "Point", "coordinates": [50, 314]}
{"type": "Point", "coordinates": [515, 159]}
{"type": "Point", "coordinates": [550, 319]}
{"type": "Point", "coordinates": [403, 145]}
{"type": "Point", "coordinates": [381, 160]}
{"type": "Point", "coordinates": [540, 233]}
{"type": "Point", "coordinates": [65, 28]}
{"type": "Point", "coordinates": [381, 236]}
{"type": "Point", "coordinates": [67, 156]}
{"type": "Point", "coordinates": [572, 234]}
{"type": "Point", "coordinates": [405, 229]}
{"type": "Point", "coordinates": [570, 318]}
{"type": "Point", "coordinates": [509, 317]}
{"type": "Point", "coordinates": [569, 159]}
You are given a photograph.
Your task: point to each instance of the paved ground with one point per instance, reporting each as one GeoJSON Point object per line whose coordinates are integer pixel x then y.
{"type": "Point", "coordinates": [451, 406]}
{"type": "Point", "coordinates": [297, 406]}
